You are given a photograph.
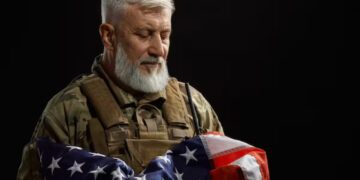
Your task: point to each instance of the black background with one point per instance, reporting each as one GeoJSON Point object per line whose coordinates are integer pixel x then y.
{"type": "Point", "coordinates": [270, 69]}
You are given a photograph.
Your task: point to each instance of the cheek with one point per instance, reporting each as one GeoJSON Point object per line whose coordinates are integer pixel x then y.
{"type": "Point", "coordinates": [135, 49]}
{"type": "Point", "coordinates": [166, 50]}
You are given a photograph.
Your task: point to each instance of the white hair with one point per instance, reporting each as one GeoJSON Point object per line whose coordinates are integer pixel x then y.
{"type": "Point", "coordinates": [130, 74]}
{"type": "Point", "coordinates": [110, 7]}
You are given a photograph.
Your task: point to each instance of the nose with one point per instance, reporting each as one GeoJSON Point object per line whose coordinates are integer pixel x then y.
{"type": "Point", "coordinates": [156, 47]}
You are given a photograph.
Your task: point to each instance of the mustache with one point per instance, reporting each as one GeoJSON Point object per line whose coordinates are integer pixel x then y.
{"type": "Point", "coordinates": [150, 59]}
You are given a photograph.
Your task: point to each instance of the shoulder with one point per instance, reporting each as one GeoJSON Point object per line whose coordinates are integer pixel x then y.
{"type": "Point", "coordinates": [207, 117]}
{"type": "Point", "coordinates": [198, 98]}
{"type": "Point", "coordinates": [195, 94]}
{"type": "Point", "coordinates": [70, 99]}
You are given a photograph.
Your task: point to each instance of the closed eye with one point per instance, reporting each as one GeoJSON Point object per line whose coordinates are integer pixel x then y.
{"type": "Point", "coordinates": [143, 36]}
{"type": "Point", "coordinates": [165, 34]}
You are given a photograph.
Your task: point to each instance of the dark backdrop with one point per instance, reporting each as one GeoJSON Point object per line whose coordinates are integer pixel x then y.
{"type": "Point", "coordinates": [268, 67]}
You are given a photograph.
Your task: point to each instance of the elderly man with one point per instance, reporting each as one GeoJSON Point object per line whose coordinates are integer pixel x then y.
{"type": "Point", "coordinates": [128, 107]}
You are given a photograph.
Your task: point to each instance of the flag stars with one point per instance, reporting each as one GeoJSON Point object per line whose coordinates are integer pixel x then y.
{"type": "Point", "coordinates": [178, 175]}
{"type": "Point", "coordinates": [98, 171]}
{"type": "Point", "coordinates": [96, 154]}
{"type": "Point", "coordinates": [164, 158]}
{"type": "Point", "coordinates": [140, 178]}
{"type": "Point", "coordinates": [76, 168]}
{"type": "Point", "coordinates": [74, 147]}
{"type": "Point", "coordinates": [189, 155]}
{"type": "Point", "coordinates": [54, 164]}
{"type": "Point", "coordinates": [117, 174]}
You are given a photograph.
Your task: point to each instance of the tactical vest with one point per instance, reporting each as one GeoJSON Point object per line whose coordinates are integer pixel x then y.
{"type": "Point", "coordinates": [150, 133]}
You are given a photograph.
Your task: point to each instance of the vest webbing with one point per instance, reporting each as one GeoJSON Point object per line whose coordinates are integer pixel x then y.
{"type": "Point", "coordinates": [109, 112]}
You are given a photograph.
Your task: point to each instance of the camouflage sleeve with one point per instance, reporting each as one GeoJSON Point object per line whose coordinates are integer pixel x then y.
{"type": "Point", "coordinates": [208, 118]}
{"type": "Point", "coordinates": [48, 126]}
{"type": "Point", "coordinates": [63, 121]}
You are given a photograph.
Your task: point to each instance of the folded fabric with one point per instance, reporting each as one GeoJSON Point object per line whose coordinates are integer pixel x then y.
{"type": "Point", "coordinates": [208, 156]}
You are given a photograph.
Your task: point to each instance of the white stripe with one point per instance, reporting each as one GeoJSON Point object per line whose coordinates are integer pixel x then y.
{"type": "Point", "coordinates": [249, 167]}
{"type": "Point", "coordinates": [216, 145]}
{"type": "Point", "coordinates": [206, 147]}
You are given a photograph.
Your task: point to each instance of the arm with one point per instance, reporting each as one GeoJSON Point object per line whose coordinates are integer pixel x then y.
{"type": "Point", "coordinates": [208, 119]}
{"type": "Point", "coordinates": [63, 121]}
{"type": "Point", "coordinates": [48, 126]}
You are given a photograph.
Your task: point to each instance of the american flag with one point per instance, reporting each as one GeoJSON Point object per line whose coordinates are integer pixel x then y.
{"type": "Point", "coordinates": [208, 156]}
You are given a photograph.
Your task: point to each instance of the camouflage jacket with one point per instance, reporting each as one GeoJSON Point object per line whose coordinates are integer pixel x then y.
{"type": "Point", "coordinates": [69, 113]}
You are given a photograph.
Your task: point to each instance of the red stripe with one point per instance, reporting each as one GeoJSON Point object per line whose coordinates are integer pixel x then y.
{"type": "Point", "coordinates": [231, 157]}
{"type": "Point", "coordinates": [229, 172]}
{"type": "Point", "coordinates": [214, 133]}
{"type": "Point", "coordinates": [262, 161]}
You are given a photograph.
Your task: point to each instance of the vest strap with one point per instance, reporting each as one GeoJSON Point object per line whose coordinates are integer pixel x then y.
{"type": "Point", "coordinates": [97, 135]}
{"type": "Point", "coordinates": [103, 102]}
{"type": "Point", "coordinates": [174, 107]}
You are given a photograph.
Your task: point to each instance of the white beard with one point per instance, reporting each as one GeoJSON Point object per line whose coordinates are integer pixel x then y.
{"type": "Point", "coordinates": [130, 73]}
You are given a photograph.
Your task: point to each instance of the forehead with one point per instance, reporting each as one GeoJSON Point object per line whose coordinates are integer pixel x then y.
{"type": "Point", "coordinates": [138, 16]}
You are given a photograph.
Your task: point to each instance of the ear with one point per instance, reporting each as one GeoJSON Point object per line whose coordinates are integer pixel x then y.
{"type": "Point", "coordinates": [107, 34]}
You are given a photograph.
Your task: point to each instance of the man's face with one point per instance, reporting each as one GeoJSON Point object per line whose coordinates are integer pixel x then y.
{"type": "Point", "coordinates": [145, 33]}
